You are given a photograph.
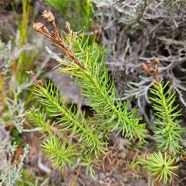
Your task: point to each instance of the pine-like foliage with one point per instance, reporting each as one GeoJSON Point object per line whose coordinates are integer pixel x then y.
{"type": "Point", "coordinates": [167, 131]}
{"type": "Point", "coordinates": [168, 134]}
{"type": "Point", "coordinates": [159, 165]}
{"type": "Point", "coordinates": [83, 143]}
{"type": "Point", "coordinates": [99, 89]}
{"type": "Point", "coordinates": [85, 139]}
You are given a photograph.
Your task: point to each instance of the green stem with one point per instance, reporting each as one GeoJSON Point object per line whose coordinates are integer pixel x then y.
{"type": "Point", "coordinates": [23, 37]}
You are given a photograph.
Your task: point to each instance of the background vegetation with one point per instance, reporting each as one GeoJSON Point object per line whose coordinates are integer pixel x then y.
{"type": "Point", "coordinates": [106, 120]}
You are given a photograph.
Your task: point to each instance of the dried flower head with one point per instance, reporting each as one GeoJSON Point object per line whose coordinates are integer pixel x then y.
{"type": "Point", "coordinates": [40, 27]}
{"type": "Point", "coordinates": [157, 61]}
{"type": "Point", "coordinates": [48, 16]}
{"type": "Point", "coordinates": [54, 35]}
{"type": "Point", "coordinates": [67, 26]}
{"type": "Point", "coordinates": [144, 66]}
{"type": "Point", "coordinates": [152, 71]}
{"type": "Point", "coordinates": [30, 73]}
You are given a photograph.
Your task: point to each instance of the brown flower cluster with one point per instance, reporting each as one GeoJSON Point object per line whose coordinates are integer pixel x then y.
{"type": "Point", "coordinates": [54, 35]}
{"type": "Point", "coordinates": [40, 27]}
{"type": "Point", "coordinates": [153, 71]}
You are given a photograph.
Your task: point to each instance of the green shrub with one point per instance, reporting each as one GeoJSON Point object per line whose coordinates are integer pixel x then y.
{"type": "Point", "coordinates": [76, 140]}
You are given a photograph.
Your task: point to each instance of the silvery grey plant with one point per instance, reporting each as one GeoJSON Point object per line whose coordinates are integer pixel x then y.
{"type": "Point", "coordinates": [134, 31]}
{"type": "Point", "coordinates": [15, 105]}
{"type": "Point", "coordinates": [10, 172]}
{"type": "Point", "coordinates": [12, 109]}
